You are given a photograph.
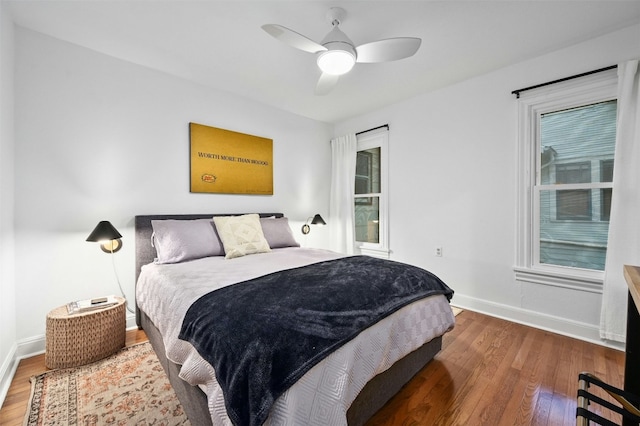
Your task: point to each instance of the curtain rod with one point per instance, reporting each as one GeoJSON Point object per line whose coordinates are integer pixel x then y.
{"type": "Point", "coordinates": [517, 92]}
{"type": "Point", "coordinates": [371, 130]}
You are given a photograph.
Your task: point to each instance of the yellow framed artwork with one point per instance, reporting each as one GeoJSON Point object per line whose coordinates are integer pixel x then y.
{"type": "Point", "coordinates": [227, 162]}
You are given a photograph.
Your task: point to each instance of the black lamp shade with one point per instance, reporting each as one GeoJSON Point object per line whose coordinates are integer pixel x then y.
{"type": "Point", "coordinates": [108, 236]}
{"type": "Point", "coordinates": [317, 220]}
{"type": "Point", "coordinates": [104, 231]}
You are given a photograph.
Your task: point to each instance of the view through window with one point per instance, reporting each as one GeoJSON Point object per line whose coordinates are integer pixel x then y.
{"type": "Point", "coordinates": [575, 185]}
{"type": "Point", "coordinates": [367, 196]}
{"type": "Point", "coordinates": [371, 194]}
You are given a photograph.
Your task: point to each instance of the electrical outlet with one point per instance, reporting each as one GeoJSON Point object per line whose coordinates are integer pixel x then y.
{"type": "Point", "coordinates": [439, 251]}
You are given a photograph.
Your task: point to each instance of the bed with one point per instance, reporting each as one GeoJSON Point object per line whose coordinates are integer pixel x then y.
{"type": "Point", "coordinates": [334, 391]}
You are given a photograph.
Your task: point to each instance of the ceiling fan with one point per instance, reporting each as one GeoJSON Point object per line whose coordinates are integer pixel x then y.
{"type": "Point", "coordinates": [336, 53]}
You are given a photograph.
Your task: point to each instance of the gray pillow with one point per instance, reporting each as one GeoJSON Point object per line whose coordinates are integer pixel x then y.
{"type": "Point", "coordinates": [180, 240]}
{"type": "Point", "coordinates": [278, 233]}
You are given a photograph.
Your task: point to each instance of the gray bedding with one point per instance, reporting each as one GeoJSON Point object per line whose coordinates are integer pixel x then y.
{"type": "Point", "coordinates": [263, 335]}
{"type": "Point", "coordinates": [367, 401]}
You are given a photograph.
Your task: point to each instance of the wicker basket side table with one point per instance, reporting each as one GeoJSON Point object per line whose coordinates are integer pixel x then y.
{"type": "Point", "coordinates": [82, 338]}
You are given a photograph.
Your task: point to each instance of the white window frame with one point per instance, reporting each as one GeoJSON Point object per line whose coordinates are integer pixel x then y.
{"type": "Point", "coordinates": [369, 140]}
{"type": "Point", "coordinates": [594, 88]}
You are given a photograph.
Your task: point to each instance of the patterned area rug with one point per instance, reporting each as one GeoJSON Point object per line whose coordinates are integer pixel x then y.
{"type": "Point", "coordinates": [128, 388]}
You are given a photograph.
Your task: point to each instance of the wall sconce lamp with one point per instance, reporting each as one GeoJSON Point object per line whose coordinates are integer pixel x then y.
{"type": "Point", "coordinates": [110, 242]}
{"type": "Point", "coordinates": [108, 237]}
{"type": "Point", "coordinates": [316, 220]}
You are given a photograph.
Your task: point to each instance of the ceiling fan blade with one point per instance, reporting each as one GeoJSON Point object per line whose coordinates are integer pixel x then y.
{"type": "Point", "coordinates": [326, 83]}
{"type": "Point", "coordinates": [390, 49]}
{"type": "Point", "coordinates": [292, 38]}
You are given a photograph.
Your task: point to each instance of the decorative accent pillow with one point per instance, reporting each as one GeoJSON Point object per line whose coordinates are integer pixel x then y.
{"type": "Point", "coordinates": [241, 235]}
{"type": "Point", "coordinates": [179, 240]}
{"type": "Point", "coordinates": [277, 232]}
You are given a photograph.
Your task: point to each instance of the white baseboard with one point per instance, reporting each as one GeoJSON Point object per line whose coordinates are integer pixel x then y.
{"type": "Point", "coordinates": [26, 348]}
{"type": "Point", "coordinates": [576, 329]}
{"type": "Point", "coordinates": [7, 371]}
{"type": "Point", "coordinates": [22, 349]}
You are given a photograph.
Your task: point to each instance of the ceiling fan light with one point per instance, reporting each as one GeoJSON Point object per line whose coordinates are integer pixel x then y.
{"type": "Point", "coordinates": [336, 62]}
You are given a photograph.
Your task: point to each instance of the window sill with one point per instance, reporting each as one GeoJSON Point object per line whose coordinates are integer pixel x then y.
{"type": "Point", "coordinates": [589, 283]}
{"type": "Point", "coordinates": [380, 253]}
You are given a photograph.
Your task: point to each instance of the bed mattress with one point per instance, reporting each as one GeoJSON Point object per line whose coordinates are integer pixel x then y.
{"type": "Point", "coordinates": [323, 395]}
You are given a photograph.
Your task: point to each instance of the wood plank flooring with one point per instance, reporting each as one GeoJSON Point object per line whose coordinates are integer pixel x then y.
{"type": "Point", "coordinates": [489, 372]}
{"type": "Point", "coordinates": [495, 372]}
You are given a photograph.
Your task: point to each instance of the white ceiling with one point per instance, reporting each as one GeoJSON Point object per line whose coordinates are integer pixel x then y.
{"type": "Point", "coordinates": [220, 43]}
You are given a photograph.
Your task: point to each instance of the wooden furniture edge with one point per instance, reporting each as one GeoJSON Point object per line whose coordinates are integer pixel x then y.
{"type": "Point", "coordinates": [632, 276]}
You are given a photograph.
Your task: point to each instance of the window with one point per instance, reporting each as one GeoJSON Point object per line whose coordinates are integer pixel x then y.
{"type": "Point", "coordinates": [606, 175]}
{"type": "Point", "coordinates": [567, 135]}
{"type": "Point", "coordinates": [370, 196]}
{"type": "Point", "coordinates": [573, 204]}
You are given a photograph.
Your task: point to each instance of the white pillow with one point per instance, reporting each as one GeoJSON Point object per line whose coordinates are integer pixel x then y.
{"type": "Point", "coordinates": [180, 240]}
{"type": "Point", "coordinates": [241, 235]}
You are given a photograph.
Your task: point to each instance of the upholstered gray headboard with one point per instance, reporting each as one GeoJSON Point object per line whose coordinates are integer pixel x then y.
{"type": "Point", "coordinates": [145, 252]}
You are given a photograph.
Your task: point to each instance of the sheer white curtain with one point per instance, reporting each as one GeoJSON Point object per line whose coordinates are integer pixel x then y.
{"type": "Point", "coordinates": [343, 174]}
{"type": "Point", "coordinates": [624, 226]}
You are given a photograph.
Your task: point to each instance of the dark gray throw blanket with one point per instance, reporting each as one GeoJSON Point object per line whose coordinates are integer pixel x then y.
{"type": "Point", "coordinates": [262, 335]}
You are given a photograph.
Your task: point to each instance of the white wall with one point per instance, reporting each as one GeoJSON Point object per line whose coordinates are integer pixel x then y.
{"type": "Point", "coordinates": [7, 283]}
{"type": "Point", "coordinates": [452, 184]}
{"type": "Point", "coordinates": [101, 139]}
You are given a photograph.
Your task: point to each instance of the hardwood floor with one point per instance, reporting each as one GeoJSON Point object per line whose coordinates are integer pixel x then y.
{"type": "Point", "coordinates": [489, 372]}
{"type": "Point", "coordinates": [495, 372]}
